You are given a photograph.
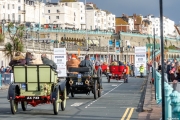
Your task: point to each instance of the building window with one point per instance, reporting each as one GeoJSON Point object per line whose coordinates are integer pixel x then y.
{"type": "Point", "coordinates": [3, 6]}
{"type": "Point", "coordinates": [49, 17]}
{"type": "Point", "coordinates": [19, 0]}
{"type": "Point", "coordinates": [8, 6]}
{"type": "Point", "coordinates": [57, 17]}
{"type": "Point", "coordinates": [19, 8]}
{"type": "Point", "coordinates": [12, 6]}
{"type": "Point", "coordinates": [48, 11]}
{"type": "Point", "coordinates": [66, 4]}
{"type": "Point", "coordinates": [57, 11]}
{"type": "Point", "coordinates": [8, 16]}
{"type": "Point", "coordinates": [81, 18]}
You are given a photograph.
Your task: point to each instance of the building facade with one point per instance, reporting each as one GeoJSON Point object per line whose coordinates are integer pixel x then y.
{"type": "Point", "coordinates": [22, 11]}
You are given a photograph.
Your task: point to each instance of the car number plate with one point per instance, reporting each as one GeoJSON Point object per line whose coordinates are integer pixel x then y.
{"type": "Point", "coordinates": [79, 83]}
{"type": "Point", "coordinates": [79, 75]}
{"type": "Point", "coordinates": [32, 98]}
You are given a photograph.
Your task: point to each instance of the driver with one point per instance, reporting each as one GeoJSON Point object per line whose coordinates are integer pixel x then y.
{"type": "Point", "coordinates": [87, 63]}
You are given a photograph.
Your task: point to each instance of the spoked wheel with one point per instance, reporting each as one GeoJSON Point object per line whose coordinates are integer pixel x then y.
{"type": "Point", "coordinates": [99, 91]}
{"type": "Point", "coordinates": [24, 105]}
{"type": "Point", "coordinates": [109, 79]}
{"type": "Point", "coordinates": [56, 104]}
{"type": "Point", "coordinates": [14, 106]}
{"type": "Point", "coordinates": [72, 94]}
{"type": "Point", "coordinates": [95, 91]}
{"type": "Point", "coordinates": [63, 103]}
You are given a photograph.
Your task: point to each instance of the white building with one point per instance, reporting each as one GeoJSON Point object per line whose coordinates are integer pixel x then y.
{"type": "Point", "coordinates": [110, 21]}
{"type": "Point", "coordinates": [66, 14]}
{"type": "Point", "coordinates": [168, 26]}
{"type": "Point", "coordinates": [98, 19]}
{"type": "Point", "coordinates": [22, 11]}
{"type": "Point", "coordinates": [131, 24]}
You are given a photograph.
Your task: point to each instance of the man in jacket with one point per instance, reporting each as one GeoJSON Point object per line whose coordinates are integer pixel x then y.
{"type": "Point", "coordinates": [87, 63]}
{"type": "Point", "coordinates": [126, 73]}
{"type": "Point", "coordinates": [46, 61]}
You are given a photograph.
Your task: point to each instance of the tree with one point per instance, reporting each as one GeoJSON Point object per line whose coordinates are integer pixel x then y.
{"type": "Point", "coordinates": [1, 35]}
{"type": "Point", "coordinates": [15, 44]}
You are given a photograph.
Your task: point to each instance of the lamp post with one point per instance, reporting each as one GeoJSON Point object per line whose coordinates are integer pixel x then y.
{"type": "Point", "coordinates": [162, 58]}
{"type": "Point", "coordinates": [37, 35]}
{"type": "Point", "coordinates": [3, 22]}
{"type": "Point", "coordinates": [86, 26]}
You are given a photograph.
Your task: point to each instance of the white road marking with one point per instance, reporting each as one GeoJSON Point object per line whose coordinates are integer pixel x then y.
{"type": "Point", "coordinates": [103, 95]}
{"type": "Point", "coordinates": [114, 85]}
{"type": "Point", "coordinates": [76, 104]}
{"type": "Point", "coordinates": [96, 107]}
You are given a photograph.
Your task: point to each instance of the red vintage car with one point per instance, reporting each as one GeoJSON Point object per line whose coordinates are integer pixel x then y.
{"type": "Point", "coordinates": [116, 72]}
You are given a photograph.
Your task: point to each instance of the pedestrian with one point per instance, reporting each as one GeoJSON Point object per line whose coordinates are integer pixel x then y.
{"type": "Point", "coordinates": [2, 70]}
{"type": "Point", "coordinates": [126, 73]}
{"type": "Point", "coordinates": [172, 72]}
{"type": "Point", "coordinates": [141, 70]}
{"type": "Point", "coordinates": [177, 78]}
{"type": "Point", "coordinates": [132, 70]}
{"type": "Point", "coordinates": [168, 71]}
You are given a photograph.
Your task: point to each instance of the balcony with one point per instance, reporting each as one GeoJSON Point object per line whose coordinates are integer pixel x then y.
{"type": "Point", "coordinates": [21, 11]}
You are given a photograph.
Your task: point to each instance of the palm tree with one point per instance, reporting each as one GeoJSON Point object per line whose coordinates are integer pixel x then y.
{"type": "Point", "coordinates": [16, 37]}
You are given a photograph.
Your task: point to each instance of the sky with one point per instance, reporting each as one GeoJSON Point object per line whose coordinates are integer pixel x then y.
{"type": "Point", "coordinates": [144, 7]}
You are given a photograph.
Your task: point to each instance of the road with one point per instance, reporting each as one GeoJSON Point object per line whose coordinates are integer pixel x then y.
{"type": "Point", "coordinates": [119, 101]}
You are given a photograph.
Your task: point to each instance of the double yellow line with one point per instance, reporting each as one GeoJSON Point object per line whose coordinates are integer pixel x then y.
{"type": "Point", "coordinates": [128, 110]}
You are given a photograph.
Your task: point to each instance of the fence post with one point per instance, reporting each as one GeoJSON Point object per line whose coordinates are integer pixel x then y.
{"type": "Point", "coordinates": [168, 91]}
{"type": "Point", "coordinates": [174, 96]}
{"type": "Point", "coordinates": [158, 88]}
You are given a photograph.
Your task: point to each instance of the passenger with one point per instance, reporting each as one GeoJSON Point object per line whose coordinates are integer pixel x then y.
{"type": "Point", "coordinates": [114, 63]}
{"type": "Point", "coordinates": [73, 62]}
{"type": "Point", "coordinates": [18, 59]}
{"type": "Point", "coordinates": [87, 63]}
{"type": "Point", "coordinates": [46, 61]}
{"type": "Point", "coordinates": [28, 58]}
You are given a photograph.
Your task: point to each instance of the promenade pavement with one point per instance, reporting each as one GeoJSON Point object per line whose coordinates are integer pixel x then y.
{"type": "Point", "coordinates": [151, 111]}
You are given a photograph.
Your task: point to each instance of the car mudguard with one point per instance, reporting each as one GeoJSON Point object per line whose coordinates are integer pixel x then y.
{"type": "Point", "coordinates": [60, 86]}
{"type": "Point", "coordinates": [12, 91]}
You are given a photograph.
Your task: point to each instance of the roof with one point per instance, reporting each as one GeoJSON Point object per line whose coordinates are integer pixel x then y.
{"type": "Point", "coordinates": [120, 21]}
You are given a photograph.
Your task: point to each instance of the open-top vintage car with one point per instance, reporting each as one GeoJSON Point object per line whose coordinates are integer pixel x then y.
{"type": "Point", "coordinates": [116, 72]}
{"type": "Point", "coordinates": [79, 82]}
{"type": "Point", "coordinates": [36, 84]}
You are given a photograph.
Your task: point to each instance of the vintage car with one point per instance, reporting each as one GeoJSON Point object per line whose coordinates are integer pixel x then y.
{"type": "Point", "coordinates": [36, 84]}
{"type": "Point", "coordinates": [115, 72]}
{"type": "Point", "coordinates": [79, 82]}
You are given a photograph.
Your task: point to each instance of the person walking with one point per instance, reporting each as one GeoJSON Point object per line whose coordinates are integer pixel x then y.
{"type": "Point", "coordinates": [126, 73]}
{"type": "Point", "coordinates": [132, 70]}
{"type": "Point", "coordinates": [141, 70]}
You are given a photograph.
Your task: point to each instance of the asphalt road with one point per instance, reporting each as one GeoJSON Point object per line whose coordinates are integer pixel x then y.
{"type": "Point", "coordinates": [119, 101]}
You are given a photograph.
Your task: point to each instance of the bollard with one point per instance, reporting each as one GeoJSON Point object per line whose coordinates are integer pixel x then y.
{"type": "Point", "coordinates": [174, 96]}
{"type": "Point", "coordinates": [158, 88]}
{"type": "Point", "coordinates": [176, 110]}
{"type": "Point", "coordinates": [168, 108]}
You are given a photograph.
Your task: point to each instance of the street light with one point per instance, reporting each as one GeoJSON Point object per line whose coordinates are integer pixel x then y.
{"type": "Point", "coordinates": [3, 22]}
{"type": "Point", "coordinates": [37, 34]}
{"type": "Point", "coordinates": [162, 58]}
